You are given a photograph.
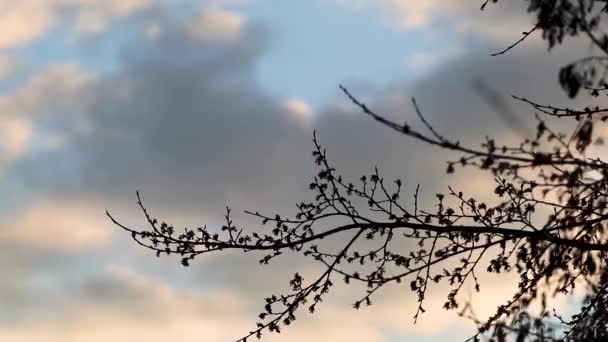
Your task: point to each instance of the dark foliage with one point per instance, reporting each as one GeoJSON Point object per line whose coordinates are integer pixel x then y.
{"type": "Point", "coordinates": [548, 225]}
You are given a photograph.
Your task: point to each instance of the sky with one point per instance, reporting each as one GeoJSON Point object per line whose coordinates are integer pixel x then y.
{"type": "Point", "coordinates": [208, 103]}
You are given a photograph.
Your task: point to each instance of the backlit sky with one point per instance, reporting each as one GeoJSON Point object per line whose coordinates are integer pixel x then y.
{"type": "Point", "coordinates": [200, 104]}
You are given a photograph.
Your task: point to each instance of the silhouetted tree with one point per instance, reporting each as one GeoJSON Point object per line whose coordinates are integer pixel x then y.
{"type": "Point", "coordinates": [549, 222]}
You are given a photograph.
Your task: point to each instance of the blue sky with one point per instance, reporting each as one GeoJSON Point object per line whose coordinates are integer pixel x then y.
{"type": "Point", "coordinates": [200, 104]}
{"type": "Point", "coordinates": [317, 44]}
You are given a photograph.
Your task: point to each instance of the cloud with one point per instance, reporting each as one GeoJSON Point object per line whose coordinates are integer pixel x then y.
{"type": "Point", "coordinates": [27, 119]}
{"type": "Point", "coordinates": [8, 65]}
{"type": "Point", "coordinates": [193, 132]}
{"type": "Point", "coordinates": [23, 21]}
{"type": "Point", "coordinates": [300, 110]}
{"type": "Point", "coordinates": [497, 22]}
{"type": "Point", "coordinates": [93, 16]}
{"type": "Point", "coordinates": [184, 120]}
{"type": "Point", "coordinates": [139, 307]}
{"type": "Point", "coordinates": [135, 307]}
{"type": "Point", "coordinates": [20, 131]}
{"type": "Point", "coordinates": [173, 120]}
{"type": "Point", "coordinates": [69, 225]}
{"type": "Point", "coordinates": [413, 14]}
{"type": "Point", "coordinates": [54, 82]}
{"type": "Point", "coordinates": [16, 133]}
{"type": "Point", "coordinates": [26, 20]}
{"type": "Point", "coordinates": [168, 120]}
{"type": "Point", "coordinates": [216, 23]}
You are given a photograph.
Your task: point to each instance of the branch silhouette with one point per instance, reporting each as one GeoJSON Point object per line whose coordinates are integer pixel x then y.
{"type": "Point", "coordinates": [547, 224]}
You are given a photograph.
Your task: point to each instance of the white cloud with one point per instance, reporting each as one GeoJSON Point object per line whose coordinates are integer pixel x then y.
{"type": "Point", "coordinates": [25, 111]}
{"type": "Point", "coordinates": [22, 21]}
{"type": "Point", "coordinates": [300, 111]}
{"type": "Point", "coordinates": [16, 132]}
{"type": "Point", "coordinates": [25, 20]}
{"type": "Point", "coordinates": [58, 83]}
{"type": "Point", "coordinates": [15, 128]}
{"type": "Point", "coordinates": [415, 14]}
{"type": "Point", "coordinates": [405, 13]}
{"type": "Point", "coordinates": [121, 305]}
{"type": "Point", "coordinates": [69, 225]}
{"type": "Point", "coordinates": [138, 307]}
{"type": "Point", "coordinates": [95, 14]}
{"type": "Point", "coordinates": [25, 119]}
{"type": "Point", "coordinates": [496, 22]}
{"type": "Point", "coordinates": [215, 23]}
